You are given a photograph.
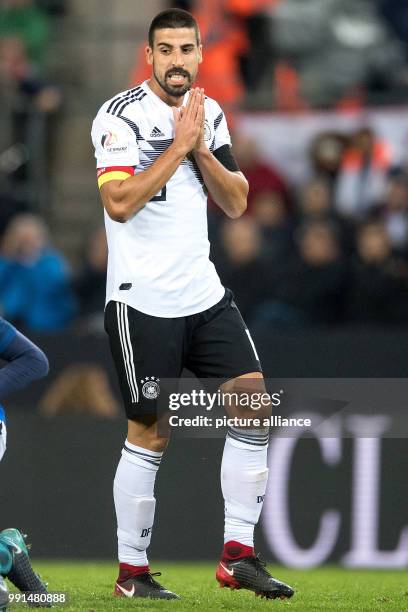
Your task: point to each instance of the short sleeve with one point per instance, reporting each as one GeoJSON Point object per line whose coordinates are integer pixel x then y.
{"type": "Point", "coordinates": [114, 141]}
{"type": "Point", "coordinates": [221, 133]}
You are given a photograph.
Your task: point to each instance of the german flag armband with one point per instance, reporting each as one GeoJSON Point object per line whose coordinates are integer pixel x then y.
{"type": "Point", "coordinates": [114, 173]}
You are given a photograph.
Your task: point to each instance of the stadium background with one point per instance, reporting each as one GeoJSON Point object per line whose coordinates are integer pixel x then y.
{"type": "Point", "coordinates": [316, 95]}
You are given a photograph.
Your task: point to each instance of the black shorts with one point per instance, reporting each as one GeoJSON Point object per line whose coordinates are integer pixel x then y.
{"type": "Point", "coordinates": [212, 344]}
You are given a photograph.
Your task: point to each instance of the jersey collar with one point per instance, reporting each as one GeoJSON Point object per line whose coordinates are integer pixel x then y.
{"type": "Point", "coordinates": [158, 100]}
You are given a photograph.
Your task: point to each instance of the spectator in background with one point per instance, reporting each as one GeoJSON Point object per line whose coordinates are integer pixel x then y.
{"type": "Point", "coordinates": [18, 73]}
{"type": "Point", "coordinates": [10, 205]}
{"type": "Point", "coordinates": [34, 282]}
{"type": "Point", "coordinates": [90, 284]}
{"type": "Point", "coordinates": [326, 154]}
{"type": "Point", "coordinates": [395, 213]}
{"type": "Point", "coordinates": [262, 177]}
{"type": "Point", "coordinates": [315, 204]}
{"type": "Point", "coordinates": [310, 289]}
{"type": "Point", "coordinates": [259, 55]}
{"type": "Point", "coordinates": [241, 264]}
{"type": "Point", "coordinates": [379, 288]}
{"type": "Point", "coordinates": [361, 182]}
{"type": "Point", "coordinates": [270, 211]}
{"type": "Point", "coordinates": [24, 20]}
{"type": "Point", "coordinates": [31, 102]}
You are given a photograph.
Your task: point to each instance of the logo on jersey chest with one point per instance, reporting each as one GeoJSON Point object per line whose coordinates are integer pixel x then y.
{"type": "Point", "coordinates": [156, 133]}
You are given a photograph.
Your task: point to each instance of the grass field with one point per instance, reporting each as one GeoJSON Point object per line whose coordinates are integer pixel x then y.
{"type": "Point", "coordinates": [90, 585]}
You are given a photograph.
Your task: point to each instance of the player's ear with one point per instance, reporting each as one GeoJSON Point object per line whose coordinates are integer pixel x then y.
{"type": "Point", "coordinates": [200, 54]}
{"type": "Point", "coordinates": [149, 55]}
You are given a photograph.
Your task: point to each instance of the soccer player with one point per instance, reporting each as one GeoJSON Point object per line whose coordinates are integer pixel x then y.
{"type": "Point", "coordinates": [25, 362]}
{"type": "Point", "coordinates": [160, 147]}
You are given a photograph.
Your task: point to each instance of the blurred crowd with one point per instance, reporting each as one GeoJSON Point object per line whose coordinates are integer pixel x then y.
{"type": "Point", "coordinates": [29, 102]}
{"type": "Point", "coordinates": [38, 290]}
{"type": "Point", "coordinates": [333, 251]}
{"type": "Point", "coordinates": [297, 54]}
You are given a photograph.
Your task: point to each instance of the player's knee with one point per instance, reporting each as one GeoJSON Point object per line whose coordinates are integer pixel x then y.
{"type": "Point", "coordinates": [157, 444]}
{"type": "Point", "coordinates": [250, 399]}
{"type": "Point", "coordinates": [149, 441]}
{"type": "Point", "coordinates": [144, 432]}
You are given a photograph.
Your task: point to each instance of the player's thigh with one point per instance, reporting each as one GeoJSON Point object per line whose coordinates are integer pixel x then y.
{"type": "Point", "coordinates": [221, 346]}
{"type": "Point", "coordinates": [145, 350]}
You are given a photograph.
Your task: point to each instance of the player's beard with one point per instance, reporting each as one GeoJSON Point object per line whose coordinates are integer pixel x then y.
{"type": "Point", "coordinates": [175, 92]}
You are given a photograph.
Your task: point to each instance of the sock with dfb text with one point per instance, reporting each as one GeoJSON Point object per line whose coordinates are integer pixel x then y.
{"type": "Point", "coordinates": [135, 505]}
{"type": "Point", "coordinates": [244, 474]}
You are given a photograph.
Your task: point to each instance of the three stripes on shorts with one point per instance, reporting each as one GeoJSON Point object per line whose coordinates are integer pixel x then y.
{"type": "Point", "coordinates": [127, 350]}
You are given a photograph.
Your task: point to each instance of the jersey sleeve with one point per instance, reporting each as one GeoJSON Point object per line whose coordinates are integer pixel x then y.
{"type": "Point", "coordinates": [221, 133]}
{"type": "Point", "coordinates": [25, 363]}
{"type": "Point", "coordinates": [116, 149]}
{"type": "Point", "coordinates": [7, 334]}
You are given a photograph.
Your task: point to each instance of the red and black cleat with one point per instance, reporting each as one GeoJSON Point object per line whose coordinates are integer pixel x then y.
{"type": "Point", "coordinates": [141, 585]}
{"type": "Point", "coordinates": [250, 573]}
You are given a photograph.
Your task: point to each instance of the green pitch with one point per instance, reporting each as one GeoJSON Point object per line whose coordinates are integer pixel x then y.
{"type": "Point", "coordinates": [90, 585]}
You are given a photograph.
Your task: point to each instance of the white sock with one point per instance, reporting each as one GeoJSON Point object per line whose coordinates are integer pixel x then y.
{"type": "Point", "coordinates": [133, 492]}
{"type": "Point", "coordinates": [244, 475]}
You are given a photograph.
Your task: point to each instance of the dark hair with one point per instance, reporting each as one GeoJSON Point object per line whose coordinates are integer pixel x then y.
{"type": "Point", "coordinates": [173, 18]}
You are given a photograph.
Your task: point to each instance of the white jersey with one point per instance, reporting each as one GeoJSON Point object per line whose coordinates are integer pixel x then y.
{"type": "Point", "coordinates": [159, 259]}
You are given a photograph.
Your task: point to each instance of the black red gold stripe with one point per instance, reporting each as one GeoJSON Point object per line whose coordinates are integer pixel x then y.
{"type": "Point", "coordinates": [114, 173]}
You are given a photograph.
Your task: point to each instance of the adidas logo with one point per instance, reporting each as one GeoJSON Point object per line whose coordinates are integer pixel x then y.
{"type": "Point", "coordinates": [156, 133]}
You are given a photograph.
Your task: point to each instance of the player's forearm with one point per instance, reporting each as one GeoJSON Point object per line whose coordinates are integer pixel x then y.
{"type": "Point", "coordinates": [26, 363]}
{"type": "Point", "coordinates": [123, 199]}
{"type": "Point", "coordinates": [229, 190]}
